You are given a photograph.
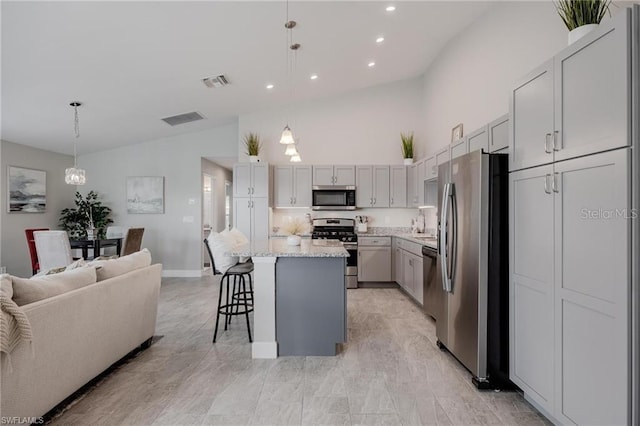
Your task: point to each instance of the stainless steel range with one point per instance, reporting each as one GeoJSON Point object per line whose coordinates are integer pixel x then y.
{"type": "Point", "coordinates": [342, 230]}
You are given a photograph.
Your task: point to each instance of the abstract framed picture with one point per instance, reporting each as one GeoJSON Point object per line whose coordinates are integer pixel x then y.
{"type": "Point", "coordinates": [27, 190]}
{"type": "Point", "coordinates": [145, 194]}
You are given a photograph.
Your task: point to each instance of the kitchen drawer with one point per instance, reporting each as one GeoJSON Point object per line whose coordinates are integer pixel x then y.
{"type": "Point", "coordinates": [410, 246]}
{"type": "Point", "coordinates": [374, 241]}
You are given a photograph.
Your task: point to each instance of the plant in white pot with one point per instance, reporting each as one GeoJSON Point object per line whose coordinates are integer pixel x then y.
{"type": "Point", "coordinates": [253, 145]}
{"type": "Point", "coordinates": [407, 147]}
{"type": "Point", "coordinates": [294, 228]}
{"type": "Point", "coordinates": [581, 16]}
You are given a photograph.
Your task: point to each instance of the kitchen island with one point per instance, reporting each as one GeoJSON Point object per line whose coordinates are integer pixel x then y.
{"type": "Point", "coordinates": [299, 297]}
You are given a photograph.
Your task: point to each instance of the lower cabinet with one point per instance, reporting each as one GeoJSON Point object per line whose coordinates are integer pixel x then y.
{"type": "Point", "coordinates": [374, 259]}
{"type": "Point", "coordinates": [570, 284]}
{"type": "Point", "coordinates": [408, 271]}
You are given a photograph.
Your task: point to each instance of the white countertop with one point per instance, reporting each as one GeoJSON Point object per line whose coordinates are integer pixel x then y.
{"type": "Point", "coordinates": [277, 247]}
{"type": "Point", "coordinates": [421, 239]}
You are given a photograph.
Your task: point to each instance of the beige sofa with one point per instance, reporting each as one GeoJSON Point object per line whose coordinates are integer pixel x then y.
{"type": "Point", "coordinates": [76, 336]}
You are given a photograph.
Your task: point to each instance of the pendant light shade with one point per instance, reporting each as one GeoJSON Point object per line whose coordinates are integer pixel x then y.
{"type": "Point", "coordinates": [74, 175]}
{"type": "Point", "coordinates": [291, 150]}
{"type": "Point", "coordinates": [287, 136]}
{"type": "Point", "coordinates": [295, 158]}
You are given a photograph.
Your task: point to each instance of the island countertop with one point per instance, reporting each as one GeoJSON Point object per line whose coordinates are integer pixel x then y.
{"type": "Point", "coordinates": [277, 247]}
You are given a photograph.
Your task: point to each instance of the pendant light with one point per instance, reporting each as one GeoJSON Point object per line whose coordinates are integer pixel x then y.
{"type": "Point", "coordinates": [292, 48]}
{"type": "Point", "coordinates": [74, 175]}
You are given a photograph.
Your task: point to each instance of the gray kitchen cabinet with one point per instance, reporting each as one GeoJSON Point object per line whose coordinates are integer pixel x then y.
{"type": "Point", "coordinates": [397, 186]}
{"type": "Point", "coordinates": [420, 181]}
{"type": "Point", "coordinates": [554, 118]}
{"type": "Point", "coordinates": [396, 261]}
{"type": "Point", "coordinates": [479, 139]}
{"type": "Point", "coordinates": [372, 186]}
{"type": "Point", "coordinates": [292, 186]}
{"type": "Point", "coordinates": [459, 148]}
{"type": "Point", "coordinates": [251, 217]}
{"type": "Point", "coordinates": [251, 180]}
{"type": "Point", "coordinates": [499, 134]}
{"type": "Point", "coordinates": [431, 168]}
{"type": "Point", "coordinates": [374, 259]}
{"type": "Point", "coordinates": [408, 268]}
{"type": "Point", "coordinates": [412, 185]}
{"type": "Point", "coordinates": [431, 193]}
{"type": "Point", "coordinates": [334, 175]}
{"type": "Point", "coordinates": [442, 157]}
{"type": "Point", "coordinates": [531, 263]}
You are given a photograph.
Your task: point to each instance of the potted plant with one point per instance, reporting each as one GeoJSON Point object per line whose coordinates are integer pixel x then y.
{"type": "Point", "coordinates": [253, 145]}
{"type": "Point", "coordinates": [88, 217]}
{"type": "Point", "coordinates": [407, 148]}
{"type": "Point", "coordinates": [293, 228]}
{"type": "Point", "coordinates": [581, 16]}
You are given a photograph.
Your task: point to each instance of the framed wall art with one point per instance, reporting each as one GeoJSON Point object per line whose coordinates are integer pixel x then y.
{"type": "Point", "coordinates": [27, 192]}
{"type": "Point", "coordinates": [145, 194]}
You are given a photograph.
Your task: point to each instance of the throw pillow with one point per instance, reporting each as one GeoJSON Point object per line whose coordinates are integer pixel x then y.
{"type": "Point", "coordinates": [112, 268]}
{"type": "Point", "coordinates": [240, 240]}
{"type": "Point", "coordinates": [6, 288]}
{"type": "Point", "coordinates": [29, 290]}
{"type": "Point", "coordinates": [77, 264]}
{"type": "Point", "coordinates": [220, 246]}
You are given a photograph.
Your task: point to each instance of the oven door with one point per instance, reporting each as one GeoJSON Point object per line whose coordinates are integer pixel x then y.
{"type": "Point", "coordinates": [351, 271]}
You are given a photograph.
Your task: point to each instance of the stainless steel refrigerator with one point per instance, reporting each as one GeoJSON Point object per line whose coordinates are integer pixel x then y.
{"type": "Point", "coordinates": [472, 316]}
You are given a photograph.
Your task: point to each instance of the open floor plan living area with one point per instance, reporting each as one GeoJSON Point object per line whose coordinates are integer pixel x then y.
{"type": "Point", "coordinates": [299, 212]}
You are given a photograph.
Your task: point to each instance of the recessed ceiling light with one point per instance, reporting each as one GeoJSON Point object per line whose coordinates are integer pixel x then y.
{"type": "Point", "coordinates": [270, 86]}
{"type": "Point", "coordinates": [371, 64]}
{"type": "Point", "coordinates": [380, 39]}
{"type": "Point", "coordinates": [314, 76]}
{"type": "Point", "coordinates": [390, 8]}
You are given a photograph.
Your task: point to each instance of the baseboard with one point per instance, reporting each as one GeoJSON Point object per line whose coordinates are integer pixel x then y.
{"type": "Point", "coordinates": [182, 273]}
{"type": "Point", "coordinates": [268, 350]}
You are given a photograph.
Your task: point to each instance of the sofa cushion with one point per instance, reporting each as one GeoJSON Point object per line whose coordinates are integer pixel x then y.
{"type": "Point", "coordinates": [76, 264]}
{"type": "Point", "coordinates": [29, 290]}
{"type": "Point", "coordinates": [6, 288]}
{"type": "Point", "coordinates": [113, 267]}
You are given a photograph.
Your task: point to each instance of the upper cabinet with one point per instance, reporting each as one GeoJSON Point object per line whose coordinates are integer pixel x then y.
{"type": "Point", "coordinates": [459, 148]}
{"type": "Point", "coordinates": [372, 186]}
{"type": "Point", "coordinates": [292, 186]}
{"type": "Point", "coordinates": [577, 103]}
{"type": "Point", "coordinates": [479, 139]}
{"type": "Point", "coordinates": [498, 131]}
{"type": "Point", "coordinates": [430, 168]}
{"type": "Point", "coordinates": [334, 175]}
{"type": "Point", "coordinates": [397, 186]}
{"type": "Point", "coordinates": [251, 180]}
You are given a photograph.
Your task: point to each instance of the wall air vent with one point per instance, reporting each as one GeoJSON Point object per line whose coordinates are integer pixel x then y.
{"type": "Point", "coordinates": [183, 118]}
{"type": "Point", "coordinates": [212, 82]}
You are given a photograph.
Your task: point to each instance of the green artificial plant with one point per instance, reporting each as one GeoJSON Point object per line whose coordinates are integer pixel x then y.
{"type": "Point", "coordinates": [252, 143]}
{"type": "Point", "coordinates": [407, 145]}
{"type": "Point", "coordinates": [576, 13]}
{"type": "Point", "coordinates": [89, 212]}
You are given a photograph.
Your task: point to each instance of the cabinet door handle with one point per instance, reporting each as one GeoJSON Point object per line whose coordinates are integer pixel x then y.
{"type": "Point", "coordinates": [391, 200]}
{"type": "Point", "coordinates": [555, 140]}
{"type": "Point", "coordinates": [295, 200]}
{"type": "Point", "coordinates": [290, 200]}
{"type": "Point", "coordinates": [253, 190]}
{"type": "Point", "coordinates": [554, 184]}
{"type": "Point", "coordinates": [375, 200]}
{"type": "Point", "coordinates": [249, 204]}
{"type": "Point", "coordinates": [410, 262]}
{"type": "Point", "coordinates": [547, 141]}
{"type": "Point", "coordinates": [249, 191]}
{"type": "Point", "coordinates": [546, 183]}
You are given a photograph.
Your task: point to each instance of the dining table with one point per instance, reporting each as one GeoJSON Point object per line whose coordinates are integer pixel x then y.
{"type": "Point", "coordinates": [95, 245]}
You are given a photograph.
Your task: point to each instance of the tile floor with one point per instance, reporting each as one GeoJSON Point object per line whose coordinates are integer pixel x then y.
{"type": "Point", "coordinates": [389, 373]}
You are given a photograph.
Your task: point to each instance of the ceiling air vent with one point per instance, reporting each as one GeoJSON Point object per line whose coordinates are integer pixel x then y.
{"type": "Point", "coordinates": [218, 81]}
{"type": "Point", "coordinates": [183, 118]}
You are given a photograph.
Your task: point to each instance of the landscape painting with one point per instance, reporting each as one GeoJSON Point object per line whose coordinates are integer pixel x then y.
{"type": "Point", "coordinates": [145, 194]}
{"type": "Point", "coordinates": [27, 190]}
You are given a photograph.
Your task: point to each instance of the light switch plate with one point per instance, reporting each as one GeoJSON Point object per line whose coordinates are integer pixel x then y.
{"type": "Point", "coordinates": [187, 219]}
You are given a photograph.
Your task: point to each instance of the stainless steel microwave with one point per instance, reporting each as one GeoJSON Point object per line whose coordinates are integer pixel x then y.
{"type": "Point", "coordinates": [330, 197]}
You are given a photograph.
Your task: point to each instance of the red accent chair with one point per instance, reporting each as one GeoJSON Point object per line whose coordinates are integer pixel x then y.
{"type": "Point", "coordinates": [35, 266]}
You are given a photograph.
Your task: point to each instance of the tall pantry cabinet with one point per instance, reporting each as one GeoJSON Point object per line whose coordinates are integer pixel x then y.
{"type": "Point", "coordinates": [572, 228]}
{"type": "Point", "coordinates": [251, 200]}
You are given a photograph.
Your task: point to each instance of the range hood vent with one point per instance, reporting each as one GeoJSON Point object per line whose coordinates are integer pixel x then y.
{"type": "Point", "coordinates": [213, 82]}
{"type": "Point", "coordinates": [183, 118]}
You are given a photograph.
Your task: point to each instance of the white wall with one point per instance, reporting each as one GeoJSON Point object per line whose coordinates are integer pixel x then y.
{"type": "Point", "coordinates": [469, 82]}
{"type": "Point", "coordinates": [360, 127]}
{"type": "Point", "coordinates": [220, 175]}
{"type": "Point", "coordinates": [175, 237]}
{"type": "Point", "coordinates": [15, 253]}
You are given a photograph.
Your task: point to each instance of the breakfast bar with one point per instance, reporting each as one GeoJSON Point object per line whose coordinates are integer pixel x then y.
{"type": "Point", "coordinates": [299, 297]}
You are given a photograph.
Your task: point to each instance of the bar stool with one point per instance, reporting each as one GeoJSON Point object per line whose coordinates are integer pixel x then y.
{"type": "Point", "coordinates": [238, 301]}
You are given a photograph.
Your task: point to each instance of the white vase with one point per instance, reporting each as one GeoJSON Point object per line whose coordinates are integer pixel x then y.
{"type": "Point", "coordinates": [408, 161]}
{"type": "Point", "coordinates": [293, 240]}
{"type": "Point", "coordinates": [577, 33]}
{"type": "Point", "coordinates": [253, 159]}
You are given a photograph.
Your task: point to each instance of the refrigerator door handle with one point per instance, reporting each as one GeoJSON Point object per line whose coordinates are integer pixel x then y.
{"type": "Point", "coordinates": [454, 237]}
{"type": "Point", "coordinates": [444, 231]}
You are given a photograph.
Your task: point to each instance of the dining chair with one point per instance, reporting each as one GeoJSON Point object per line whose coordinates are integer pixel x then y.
{"type": "Point", "coordinates": [35, 267]}
{"type": "Point", "coordinates": [132, 241]}
{"type": "Point", "coordinates": [53, 249]}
